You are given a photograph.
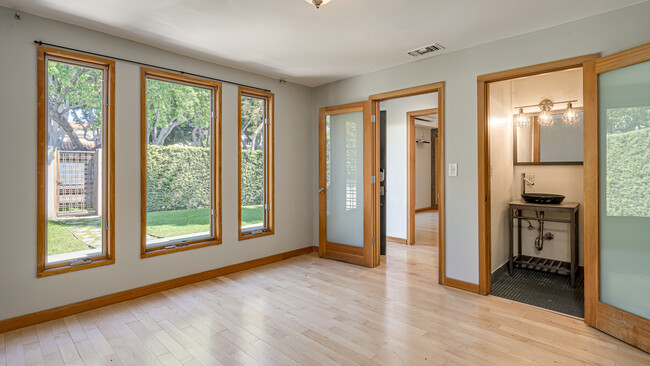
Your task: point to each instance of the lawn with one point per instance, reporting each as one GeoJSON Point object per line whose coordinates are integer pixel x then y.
{"type": "Point", "coordinates": [59, 240]}
{"type": "Point", "coordinates": [167, 224]}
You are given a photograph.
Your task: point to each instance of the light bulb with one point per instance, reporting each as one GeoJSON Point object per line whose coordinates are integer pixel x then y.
{"type": "Point", "coordinates": [522, 120]}
{"type": "Point", "coordinates": [545, 118]}
{"type": "Point", "coordinates": [570, 116]}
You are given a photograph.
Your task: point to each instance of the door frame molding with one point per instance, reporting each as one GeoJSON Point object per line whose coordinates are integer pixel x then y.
{"type": "Point", "coordinates": [484, 194]}
{"type": "Point", "coordinates": [410, 170]}
{"type": "Point", "coordinates": [375, 100]}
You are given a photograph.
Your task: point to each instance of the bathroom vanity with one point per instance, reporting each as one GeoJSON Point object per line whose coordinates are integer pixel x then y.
{"type": "Point", "coordinates": [566, 212]}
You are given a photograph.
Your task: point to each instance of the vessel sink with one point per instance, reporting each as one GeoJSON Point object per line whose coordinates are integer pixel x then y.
{"type": "Point", "coordinates": [544, 198]}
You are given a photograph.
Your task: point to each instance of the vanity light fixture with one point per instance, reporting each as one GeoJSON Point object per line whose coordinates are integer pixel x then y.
{"type": "Point", "coordinates": [318, 3]}
{"type": "Point", "coordinates": [522, 121]}
{"type": "Point", "coordinates": [545, 118]}
{"type": "Point", "coordinates": [570, 117]}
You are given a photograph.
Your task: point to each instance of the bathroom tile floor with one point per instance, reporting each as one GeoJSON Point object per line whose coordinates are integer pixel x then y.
{"type": "Point", "coordinates": [547, 290]}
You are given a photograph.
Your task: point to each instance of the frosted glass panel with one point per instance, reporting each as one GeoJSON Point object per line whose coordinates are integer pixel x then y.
{"type": "Point", "coordinates": [344, 178]}
{"type": "Point", "coordinates": [624, 149]}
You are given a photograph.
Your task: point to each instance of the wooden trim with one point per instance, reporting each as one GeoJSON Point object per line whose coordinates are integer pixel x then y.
{"type": "Point", "coordinates": [98, 302]}
{"type": "Point", "coordinates": [440, 181]}
{"type": "Point", "coordinates": [42, 268]}
{"type": "Point", "coordinates": [565, 64]}
{"type": "Point", "coordinates": [629, 57]}
{"type": "Point", "coordinates": [215, 86]}
{"type": "Point", "coordinates": [623, 325]}
{"type": "Point", "coordinates": [424, 209]}
{"type": "Point", "coordinates": [537, 140]}
{"type": "Point", "coordinates": [410, 171]}
{"type": "Point", "coordinates": [591, 189]}
{"type": "Point", "coordinates": [269, 146]}
{"type": "Point", "coordinates": [484, 199]}
{"type": "Point", "coordinates": [462, 285]}
{"type": "Point", "coordinates": [408, 92]}
{"type": "Point", "coordinates": [396, 239]}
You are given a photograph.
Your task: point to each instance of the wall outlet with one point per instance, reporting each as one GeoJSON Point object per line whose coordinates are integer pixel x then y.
{"type": "Point", "coordinates": [453, 170]}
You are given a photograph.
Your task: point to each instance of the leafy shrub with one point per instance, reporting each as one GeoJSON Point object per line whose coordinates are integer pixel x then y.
{"type": "Point", "coordinates": [628, 173]}
{"type": "Point", "coordinates": [178, 177]}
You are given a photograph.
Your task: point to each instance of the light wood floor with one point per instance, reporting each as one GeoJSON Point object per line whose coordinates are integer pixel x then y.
{"type": "Point", "coordinates": [307, 310]}
{"type": "Point", "coordinates": [426, 228]}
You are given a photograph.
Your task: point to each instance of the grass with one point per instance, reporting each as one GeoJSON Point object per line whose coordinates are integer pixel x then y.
{"type": "Point", "coordinates": [59, 240]}
{"type": "Point", "coordinates": [182, 222]}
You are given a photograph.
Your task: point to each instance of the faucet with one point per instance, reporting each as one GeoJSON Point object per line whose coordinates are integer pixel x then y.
{"type": "Point", "coordinates": [525, 180]}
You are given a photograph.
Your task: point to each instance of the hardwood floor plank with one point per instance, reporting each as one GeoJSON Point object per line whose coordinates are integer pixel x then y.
{"type": "Point", "coordinates": [313, 311]}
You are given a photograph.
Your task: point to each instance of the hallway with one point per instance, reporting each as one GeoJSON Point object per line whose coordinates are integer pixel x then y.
{"type": "Point", "coordinates": [426, 228]}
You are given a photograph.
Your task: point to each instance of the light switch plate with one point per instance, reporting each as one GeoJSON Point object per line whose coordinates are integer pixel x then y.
{"type": "Point", "coordinates": [453, 170]}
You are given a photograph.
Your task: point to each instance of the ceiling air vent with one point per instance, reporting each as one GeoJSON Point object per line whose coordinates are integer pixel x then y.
{"type": "Point", "coordinates": [426, 49]}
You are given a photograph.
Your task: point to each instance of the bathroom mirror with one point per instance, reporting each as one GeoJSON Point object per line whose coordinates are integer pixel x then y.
{"type": "Point", "coordinates": [559, 143]}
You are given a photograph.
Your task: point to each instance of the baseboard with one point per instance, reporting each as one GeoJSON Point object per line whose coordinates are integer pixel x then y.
{"type": "Point", "coordinates": [98, 302]}
{"type": "Point", "coordinates": [499, 272]}
{"type": "Point", "coordinates": [423, 209]}
{"type": "Point", "coordinates": [315, 248]}
{"type": "Point", "coordinates": [396, 240]}
{"type": "Point", "coordinates": [471, 287]}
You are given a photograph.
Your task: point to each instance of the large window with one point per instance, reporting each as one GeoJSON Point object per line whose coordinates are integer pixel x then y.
{"type": "Point", "coordinates": [181, 166]}
{"type": "Point", "coordinates": [255, 163]}
{"type": "Point", "coordinates": [75, 161]}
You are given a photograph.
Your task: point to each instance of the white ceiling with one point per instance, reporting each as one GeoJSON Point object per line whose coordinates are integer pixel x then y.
{"type": "Point", "coordinates": [290, 39]}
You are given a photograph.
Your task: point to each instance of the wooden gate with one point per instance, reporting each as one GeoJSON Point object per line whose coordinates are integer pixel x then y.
{"type": "Point", "coordinates": [75, 192]}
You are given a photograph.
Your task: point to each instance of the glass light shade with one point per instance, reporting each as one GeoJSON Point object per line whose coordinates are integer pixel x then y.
{"type": "Point", "coordinates": [545, 118]}
{"type": "Point", "coordinates": [522, 120]}
{"type": "Point", "coordinates": [570, 117]}
{"type": "Point", "coordinates": [318, 3]}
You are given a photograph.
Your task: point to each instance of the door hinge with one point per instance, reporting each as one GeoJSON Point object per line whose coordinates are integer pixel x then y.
{"type": "Point", "coordinates": [213, 114]}
{"type": "Point", "coordinates": [372, 179]}
{"type": "Point", "coordinates": [267, 207]}
{"type": "Point", "coordinates": [106, 224]}
{"type": "Point", "coordinates": [266, 121]}
{"type": "Point", "coordinates": [214, 212]}
{"type": "Point", "coordinates": [373, 118]}
{"type": "Point", "coordinates": [374, 240]}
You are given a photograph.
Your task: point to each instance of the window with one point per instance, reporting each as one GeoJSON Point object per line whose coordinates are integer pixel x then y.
{"type": "Point", "coordinates": [255, 163]}
{"type": "Point", "coordinates": [75, 161]}
{"type": "Point", "coordinates": [181, 162]}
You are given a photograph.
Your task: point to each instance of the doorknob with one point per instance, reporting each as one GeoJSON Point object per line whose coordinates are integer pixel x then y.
{"type": "Point", "coordinates": [321, 190]}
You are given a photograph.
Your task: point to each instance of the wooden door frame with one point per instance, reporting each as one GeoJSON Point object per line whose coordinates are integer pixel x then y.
{"type": "Point", "coordinates": [410, 170]}
{"type": "Point", "coordinates": [484, 194]}
{"type": "Point", "coordinates": [375, 101]}
{"type": "Point", "coordinates": [619, 323]}
{"type": "Point", "coordinates": [365, 255]}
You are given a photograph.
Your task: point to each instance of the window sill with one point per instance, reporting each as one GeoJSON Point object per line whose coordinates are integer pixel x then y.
{"type": "Point", "coordinates": [68, 268]}
{"type": "Point", "coordinates": [162, 251]}
{"type": "Point", "coordinates": [246, 236]}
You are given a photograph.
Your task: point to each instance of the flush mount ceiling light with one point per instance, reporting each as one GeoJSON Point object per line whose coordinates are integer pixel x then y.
{"type": "Point", "coordinates": [545, 118]}
{"type": "Point", "coordinates": [318, 3]}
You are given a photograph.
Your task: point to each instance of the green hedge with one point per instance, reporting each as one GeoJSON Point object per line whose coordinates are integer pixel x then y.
{"type": "Point", "coordinates": [628, 173]}
{"type": "Point", "coordinates": [178, 177]}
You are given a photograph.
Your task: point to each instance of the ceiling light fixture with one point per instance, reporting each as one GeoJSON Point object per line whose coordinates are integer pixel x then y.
{"type": "Point", "coordinates": [318, 3]}
{"type": "Point", "coordinates": [545, 118]}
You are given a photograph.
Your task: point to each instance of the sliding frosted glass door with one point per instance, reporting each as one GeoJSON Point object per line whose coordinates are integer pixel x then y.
{"type": "Point", "coordinates": [617, 195]}
{"type": "Point", "coordinates": [345, 183]}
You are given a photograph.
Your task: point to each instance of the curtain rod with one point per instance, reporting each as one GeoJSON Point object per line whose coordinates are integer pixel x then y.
{"type": "Point", "coordinates": [40, 43]}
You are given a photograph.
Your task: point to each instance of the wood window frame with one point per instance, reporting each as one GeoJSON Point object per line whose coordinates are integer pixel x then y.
{"type": "Point", "coordinates": [43, 268]}
{"type": "Point", "coordinates": [269, 147]}
{"type": "Point", "coordinates": [216, 237]}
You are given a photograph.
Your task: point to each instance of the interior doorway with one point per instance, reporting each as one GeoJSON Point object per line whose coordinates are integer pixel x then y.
{"type": "Point", "coordinates": [435, 94]}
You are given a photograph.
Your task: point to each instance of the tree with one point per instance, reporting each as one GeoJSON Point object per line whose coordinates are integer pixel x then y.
{"type": "Point", "coordinates": [74, 94]}
{"type": "Point", "coordinates": [177, 114]}
{"type": "Point", "coordinates": [627, 119]}
{"type": "Point", "coordinates": [252, 120]}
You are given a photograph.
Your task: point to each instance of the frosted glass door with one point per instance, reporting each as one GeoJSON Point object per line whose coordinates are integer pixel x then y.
{"type": "Point", "coordinates": [345, 166]}
{"type": "Point", "coordinates": [344, 178]}
{"type": "Point", "coordinates": [624, 188]}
